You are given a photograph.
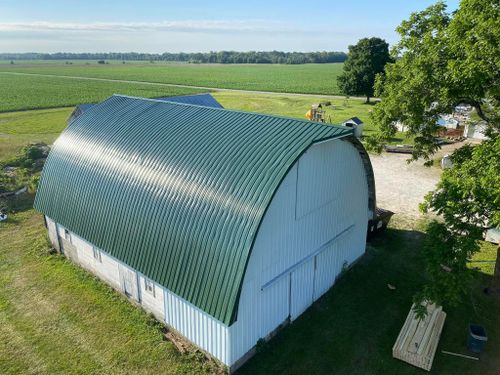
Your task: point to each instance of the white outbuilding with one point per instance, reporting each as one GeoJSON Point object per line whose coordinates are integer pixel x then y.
{"type": "Point", "coordinates": [356, 124]}
{"type": "Point", "coordinates": [226, 225]}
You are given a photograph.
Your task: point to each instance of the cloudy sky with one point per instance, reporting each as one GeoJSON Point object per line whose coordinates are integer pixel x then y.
{"type": "Point", "coordinates": [194, 25]}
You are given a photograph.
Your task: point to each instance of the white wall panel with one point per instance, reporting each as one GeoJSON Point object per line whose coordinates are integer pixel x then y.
{"type": "Point", "coordinates": [197, 326]}
{"type": "Point", "coordinates": [51, 227]}
{"type": "Point", "coordinates": [301, 288]}
{"type": "Point", "coordinates": [324, 194]}
{"type": "Point", "coordinates": [153, 302]}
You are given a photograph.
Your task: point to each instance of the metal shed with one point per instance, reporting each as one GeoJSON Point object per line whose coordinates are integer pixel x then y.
{"type": "Point", "coordinates": [224, 224]}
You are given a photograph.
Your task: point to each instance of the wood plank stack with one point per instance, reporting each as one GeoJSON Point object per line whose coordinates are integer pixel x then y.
{"type": "Point", "coordinates": [418, 340]}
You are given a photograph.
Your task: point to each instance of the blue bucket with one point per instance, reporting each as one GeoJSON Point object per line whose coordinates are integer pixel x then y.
{"type": "Point", "coordinates": [477, 338]}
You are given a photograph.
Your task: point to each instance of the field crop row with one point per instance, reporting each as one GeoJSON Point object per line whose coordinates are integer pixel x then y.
{"type": "Point", "coordinates": [307, 78]}
{"type": "Point", "coordinates": [18, 92]}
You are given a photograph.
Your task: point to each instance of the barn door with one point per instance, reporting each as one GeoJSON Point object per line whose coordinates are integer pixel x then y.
{"type": "Point", "coordinates": [327, 269]}
{"type": "Point", "coordinates": [301, 288]}
{"type": "Point", "coordinates": [128, 279]}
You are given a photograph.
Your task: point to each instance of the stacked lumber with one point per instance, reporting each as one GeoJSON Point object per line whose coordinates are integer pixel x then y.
{"type": "Point", "coordinates": [418, 340]}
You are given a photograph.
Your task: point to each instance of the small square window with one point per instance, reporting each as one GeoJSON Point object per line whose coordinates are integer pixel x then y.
{"type": "Point", "coordinates": [97, 254]}
{"type": "Point", "coordinates": [149, 287]}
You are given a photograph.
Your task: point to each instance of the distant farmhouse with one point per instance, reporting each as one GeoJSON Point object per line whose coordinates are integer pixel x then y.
{"type": "Point", "coordinates": [225, 225]}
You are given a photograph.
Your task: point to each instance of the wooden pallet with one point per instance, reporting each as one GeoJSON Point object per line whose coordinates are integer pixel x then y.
{"type": "Point", "coordinates": [418, 340]}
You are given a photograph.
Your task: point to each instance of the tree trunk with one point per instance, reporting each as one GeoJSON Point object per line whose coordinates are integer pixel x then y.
{"type": "Point", "coordinates": [367, 99]}
{"type": "Point", "coordinates": [494, 288]}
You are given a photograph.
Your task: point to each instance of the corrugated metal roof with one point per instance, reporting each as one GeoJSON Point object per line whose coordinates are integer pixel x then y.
{"type": "Point", "coordinates": [205, 100]}
{"type": "Point", "coordinates": [175, 191]}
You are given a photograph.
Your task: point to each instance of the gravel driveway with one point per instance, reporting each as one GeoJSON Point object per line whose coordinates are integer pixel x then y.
{"type": "Point", "coordinates": [401, 186]}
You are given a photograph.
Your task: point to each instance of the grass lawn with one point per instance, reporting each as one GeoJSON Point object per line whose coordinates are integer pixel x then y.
{"type": "Point", "coordinates": [352, 328]}
{"type": "Point", "coordinates": [20, 128]}
{"type": "Point", "coordinates": [297, 106]}
{"type": "Point", "coordinates": [55, 318]}
{"type": "Point", "coordinates": [304, 78]}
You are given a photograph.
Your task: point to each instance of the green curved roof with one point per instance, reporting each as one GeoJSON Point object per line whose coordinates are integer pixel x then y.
{"type": "Point", "coordinates": [175, 191]}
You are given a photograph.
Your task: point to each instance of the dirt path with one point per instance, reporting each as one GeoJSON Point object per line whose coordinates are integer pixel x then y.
{"type": "Point", "coordinates": [188, 86]}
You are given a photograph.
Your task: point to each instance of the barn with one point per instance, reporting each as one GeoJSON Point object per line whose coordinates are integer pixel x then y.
{"type": "Point", "coordinates": [204, 99]}
{"type": "Point", "coordinates": [225, 225]}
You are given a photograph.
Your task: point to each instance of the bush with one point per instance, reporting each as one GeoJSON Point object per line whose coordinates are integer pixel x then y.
{"type": "Point", "coordinates": [33, 183]}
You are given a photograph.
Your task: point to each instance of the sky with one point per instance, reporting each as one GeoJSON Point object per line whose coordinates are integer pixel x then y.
{"type": "Point", "coordinates": [198, 26]}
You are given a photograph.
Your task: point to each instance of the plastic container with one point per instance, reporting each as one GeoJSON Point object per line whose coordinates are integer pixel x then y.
{"type": "Point", "coordinates": [477, 338]}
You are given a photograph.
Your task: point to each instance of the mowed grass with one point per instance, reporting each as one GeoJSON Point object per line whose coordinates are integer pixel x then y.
{"type": "Point", "coordinates": [35, 92]}
{"type": "Point", "coordinates": [20, 128]}
{"type": "Point", "coordinates": [306, 78]}
{"type": "Point", "coordinates": [297, 106]}
{"type": "Point", "coordinates": [55, 318]}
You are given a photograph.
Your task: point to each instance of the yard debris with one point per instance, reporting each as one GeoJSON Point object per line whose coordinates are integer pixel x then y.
{"type": "Point", "coordinates": [176, 341]}
{"type": "Point", "coordinates": [446, 268]}
{"type": "Point", "coordinates": [459, 355]}
{"type": "Point", "coordinates": [391, 287]}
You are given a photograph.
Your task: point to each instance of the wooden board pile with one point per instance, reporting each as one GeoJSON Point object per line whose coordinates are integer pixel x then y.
{"type": "Point", "coordinates": [418, 340]}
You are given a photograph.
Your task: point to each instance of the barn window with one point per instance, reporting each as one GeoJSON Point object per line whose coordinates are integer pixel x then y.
{"type": "Point", "coordinates": [149, 287]}
{"type": "Point", "coordinates": [97, 254]}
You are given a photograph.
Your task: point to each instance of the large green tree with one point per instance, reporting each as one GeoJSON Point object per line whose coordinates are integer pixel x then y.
{"type": "Point", "coordinates": [365, 60]}
{"type": "Point", "coordinates": [444, 60]}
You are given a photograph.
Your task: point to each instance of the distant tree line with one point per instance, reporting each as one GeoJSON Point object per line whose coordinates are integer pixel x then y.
{"type": "Point", "coordinates": [221, 57]}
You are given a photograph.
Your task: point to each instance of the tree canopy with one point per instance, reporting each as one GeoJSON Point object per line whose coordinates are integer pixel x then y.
{"type": "Point", "coordinates": [365, 60]}
{"type": "Point", "coordinates": [444, 60]}
{"type": "Point", "coordinates": [468, 199]}
{"type": "Point", "coordinates": [220, 57]}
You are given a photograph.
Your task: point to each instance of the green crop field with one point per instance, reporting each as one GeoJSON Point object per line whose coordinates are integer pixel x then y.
{"type": "Point", "coordinates": [306, 78]}
{"type": "Point", "coordinates": [32, 92]}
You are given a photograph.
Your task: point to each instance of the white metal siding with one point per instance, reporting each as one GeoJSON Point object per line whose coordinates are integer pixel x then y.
{"type": "Point", "coordinates": [200, 328]}
{"type": "Point", "coordinates": [153, 302]}
{"type": "Point", "coordinates": [51, 227]}
{"type": "Point", "coordinates": [301, 288]}
{"type": "Point", "coordinates": [325, 194]}
{"type": "Point", "coordinates": [197, 326]}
